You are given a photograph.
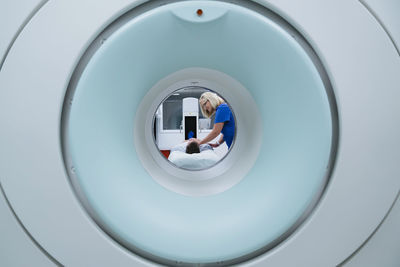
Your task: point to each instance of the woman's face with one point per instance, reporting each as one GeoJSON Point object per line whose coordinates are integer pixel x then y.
{"type": "Point", "coordinates": [207, 106]}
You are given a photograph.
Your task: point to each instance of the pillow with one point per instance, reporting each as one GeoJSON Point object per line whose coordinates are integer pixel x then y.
{"type": "Point", "coordinates": [182, 147]}
{"type": "Point", "coordinates": [195, 161]}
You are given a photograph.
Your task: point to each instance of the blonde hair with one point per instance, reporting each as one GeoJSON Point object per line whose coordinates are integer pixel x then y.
{"type": "Point", "coordinates": [214, 100]}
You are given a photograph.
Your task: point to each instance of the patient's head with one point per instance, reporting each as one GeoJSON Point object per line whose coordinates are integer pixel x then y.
{"type": "Point", "coordinates": [193, 147]}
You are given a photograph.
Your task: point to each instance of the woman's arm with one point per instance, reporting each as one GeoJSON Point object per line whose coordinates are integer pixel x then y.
{"type": "Point", "coordinates": [219, 142]}
{"type": "Point", "coordinates": [214, 133]}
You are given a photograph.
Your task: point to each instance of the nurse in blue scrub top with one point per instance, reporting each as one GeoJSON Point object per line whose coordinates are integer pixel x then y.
{"type": "Point", "coordinates": [224, 123]}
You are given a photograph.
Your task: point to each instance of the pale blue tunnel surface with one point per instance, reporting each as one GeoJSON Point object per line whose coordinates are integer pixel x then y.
{"type": "Point", "coordinates": [297, 132]}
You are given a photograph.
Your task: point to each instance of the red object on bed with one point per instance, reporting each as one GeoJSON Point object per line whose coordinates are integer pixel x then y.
{"type": "Point", "coordinates": [166, 153]}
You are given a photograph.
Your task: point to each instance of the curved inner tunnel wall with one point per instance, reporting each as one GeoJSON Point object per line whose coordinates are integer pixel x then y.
{"type": "Point", "coordinates": [295, 137]}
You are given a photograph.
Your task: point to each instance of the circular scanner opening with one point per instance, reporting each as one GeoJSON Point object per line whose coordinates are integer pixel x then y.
{"type": "Point", "coordinates": [285, 135]}
{"type": "Point", "coordinates": [198, 174]}
{"type": "Point", "coordinates": [194, 128]}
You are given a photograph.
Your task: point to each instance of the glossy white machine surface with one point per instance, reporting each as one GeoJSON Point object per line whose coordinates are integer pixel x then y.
{"type": "Point", "coordinates": [356, 221]}
{"type": "Point", "coordinates": [382, 248]}
{"type": "Point", "coordinates": [385, 14]}
{"type": "Point", "coordinates": [16, 246]}
{"type": "Point", "coordinates": [13, 17]}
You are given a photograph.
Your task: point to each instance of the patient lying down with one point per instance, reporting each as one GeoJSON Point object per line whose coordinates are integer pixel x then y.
{"type": "Point", "coordinates": [191, 155]}
{"type": "Point", "coordinates": [193, 147]}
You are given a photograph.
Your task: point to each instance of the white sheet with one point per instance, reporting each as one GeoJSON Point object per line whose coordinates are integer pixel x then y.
{"type": "Point", "coordinates": [195, 161]}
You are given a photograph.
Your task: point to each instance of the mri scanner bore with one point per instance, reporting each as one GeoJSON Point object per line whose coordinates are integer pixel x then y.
{"type": "Point", "coordinates": [194, 128]}
{"type": "Point", "coordinates": [114, 128]}
{"type": "Point", "coordinates": [91, 188]}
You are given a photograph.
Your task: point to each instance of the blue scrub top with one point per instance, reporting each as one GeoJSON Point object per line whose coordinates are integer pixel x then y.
{"type": "Point", "coordinates": [224, 114]}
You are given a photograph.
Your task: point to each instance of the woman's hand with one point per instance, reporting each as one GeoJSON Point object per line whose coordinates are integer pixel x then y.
{"type": "Point", "coordinates": [214, 133]}
{"type": "Point", "coordinates": [214, 145]}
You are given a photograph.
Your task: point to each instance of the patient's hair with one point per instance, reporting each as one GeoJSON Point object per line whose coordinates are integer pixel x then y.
{"type": "Point", "coordinates": [193, 147]}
